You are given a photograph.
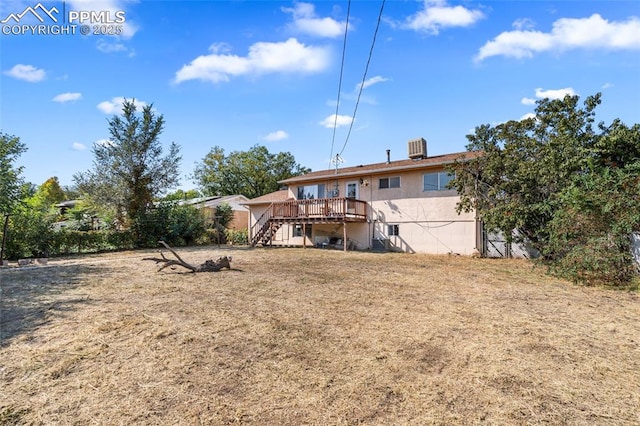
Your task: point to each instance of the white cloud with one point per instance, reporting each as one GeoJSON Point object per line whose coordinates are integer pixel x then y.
{"type": "Point", "coordinates": [549, 93]}
{"type": "Point", "coordinates": [263, 57]}
{"type": "Point", "coordinates": [67, 97]}
{"type": "Point", "coordinates": [114, 47]}
{"type": "Point", "coordinates": [523, 24]}
{"type": "Point", "coordinates": [77, 146]}
{"type": "Point", "coordinates": [306, 21]}
{"type": "Point", "coordinates": [527, 115]}
{"type": "Point", "coordinates": [220, 47]}
{"type": "Point", "coordinates": [27, 73]}
{"type": "Point", "coordinates": [109, 8]}
{"type": "Point", "coordinates": [555, 93]}
{"type": "Point", "coordinates": [342, 120]}
{"type": "Point", "coordinates": [114, 106]}
{"type": "Point", "coordinates": [607, 85]}
{"type": "Point", "coordinates": [276, 136]}
{"type": "Point", "coordinates": [437, 15]}
{"type": "Point", "coordinates": [594, 32]}
{"type": "Point", "coordinates": [371, 81]}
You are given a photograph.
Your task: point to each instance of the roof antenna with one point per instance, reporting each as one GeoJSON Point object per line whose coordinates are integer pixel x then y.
{"type": "Point", "coordinates": [337, 161]}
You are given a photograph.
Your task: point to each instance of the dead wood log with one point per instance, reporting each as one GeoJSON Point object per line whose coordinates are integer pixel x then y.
{"type": "Point", "coordinates": [207, 266]}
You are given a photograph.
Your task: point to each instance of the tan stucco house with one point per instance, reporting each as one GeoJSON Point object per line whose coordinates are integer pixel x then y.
{"type": "Point", "coordinates": [394, 205]}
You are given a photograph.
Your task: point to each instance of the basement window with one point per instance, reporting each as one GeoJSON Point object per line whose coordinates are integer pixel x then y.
{"type": "Point", "coordinates": [393, 230]}
{"type": "Point", "coordinates": [298, 231]}
{"type": "Point", "coordinates": [392, 182]}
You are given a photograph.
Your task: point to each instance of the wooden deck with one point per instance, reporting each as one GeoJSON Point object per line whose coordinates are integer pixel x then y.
{"type": "Point", "coordinates": [321, 210]}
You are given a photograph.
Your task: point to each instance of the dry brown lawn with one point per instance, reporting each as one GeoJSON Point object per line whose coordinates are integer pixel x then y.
{"type": "Point", "coordinates": [319, 337]}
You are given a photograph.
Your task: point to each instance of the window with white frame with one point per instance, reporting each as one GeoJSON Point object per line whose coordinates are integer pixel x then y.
{"type": "Point", "coordinates": [393, 230]}
{"type": "Point", "coordinates": [436, 181]}
{"type": "Point", "coordinates": [311, 191]}
{"type": "Point", "coordinates": [389, 182]}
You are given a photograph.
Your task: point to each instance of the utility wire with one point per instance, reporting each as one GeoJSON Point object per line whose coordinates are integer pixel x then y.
{"type": "Point", "coordinates": [344, 50]}
{"type": "Point", "coordinates": [364, 77]}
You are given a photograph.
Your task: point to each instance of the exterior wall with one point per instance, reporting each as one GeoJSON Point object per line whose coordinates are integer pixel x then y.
{"type": "Point", "coordinates": [239, 221]}
{"type": "Point", "coordinates": [426, 225]}
{"type": "Point", "coordinates": [427, 220]}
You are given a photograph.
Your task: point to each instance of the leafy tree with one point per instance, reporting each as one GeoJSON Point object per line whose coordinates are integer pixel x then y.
{"type": "Point", "coordinates": [50, 192]}
{"type": "Point", "coordinates": [533, 176]}
{"type": "Point", "coordinates": [71, 192]}
{"type": "Point", "coordinates": [175, 224]}
{"type": "Point", "coordinates": [251, 173]}
{"type": "Point", "coordinates": [182, 195]}
{"type": "Point", "coordinates": [130, 171]}
{"type": "Point", "coordinates": [30, 231]}
{"type": "Point", "coordinates": [10, 180]}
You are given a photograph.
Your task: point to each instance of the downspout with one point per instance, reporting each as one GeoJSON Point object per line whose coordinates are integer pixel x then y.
{"type": "Point", "coordinates": [371, 220]}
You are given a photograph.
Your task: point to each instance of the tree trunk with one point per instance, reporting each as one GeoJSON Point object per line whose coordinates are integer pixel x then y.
{"type": "Point", "coordinates": [5, 226]}
{"type": "Point", "coordinates": [207, 266]}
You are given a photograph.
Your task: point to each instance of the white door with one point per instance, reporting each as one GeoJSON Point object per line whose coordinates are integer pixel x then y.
{"type": "Point", "coordinates": [352, 190]}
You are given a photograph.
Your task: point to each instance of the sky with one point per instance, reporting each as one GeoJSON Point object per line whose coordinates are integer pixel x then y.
{"type": "Point", "coordinates": [236, 74]}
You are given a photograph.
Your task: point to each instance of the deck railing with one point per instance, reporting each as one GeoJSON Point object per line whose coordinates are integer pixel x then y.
{"type": "Point", "coordinates": [320, 208]}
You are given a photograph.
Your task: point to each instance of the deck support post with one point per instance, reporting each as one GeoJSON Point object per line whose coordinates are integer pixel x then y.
{"type": "Point", "coordinates": [344, 236]}
{"type": "Point", "coordinates": [304, 235]}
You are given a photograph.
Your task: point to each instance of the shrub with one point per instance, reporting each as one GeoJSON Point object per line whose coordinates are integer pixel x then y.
{"type": "Point", "coordinates": [240, 237]}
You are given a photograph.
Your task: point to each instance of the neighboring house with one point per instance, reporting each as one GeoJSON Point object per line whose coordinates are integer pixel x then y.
{"type": "Point", "coordinates": [209, 204]}
{"type": "Point", "coordinates": [395, 205]}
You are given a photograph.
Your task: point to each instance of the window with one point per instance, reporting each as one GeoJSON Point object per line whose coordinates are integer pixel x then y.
{"type": "Point", "coordinates": [393, 230]}
{"type": "Point", "coordinates": [437, 181]}
{"type": "Point", "coordinates": [392, 182]}
{"type": "Point", "coordinates": [297, 231]}
{"type": "Point", "coordinates": [311, 191]}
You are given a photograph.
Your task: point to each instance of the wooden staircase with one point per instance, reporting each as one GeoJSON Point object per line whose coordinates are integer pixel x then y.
{"type": "Point", "coordinates": [264, 229]}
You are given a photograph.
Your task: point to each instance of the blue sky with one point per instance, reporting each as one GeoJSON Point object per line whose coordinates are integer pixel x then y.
{"type": "Point", "coordinates": [240, 73]}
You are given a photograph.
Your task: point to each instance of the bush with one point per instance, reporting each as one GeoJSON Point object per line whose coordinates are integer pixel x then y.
{"type": "Point", "coordinates": [29, 233]}
{"type": "Point", "coordinates": [240, 237]}
{"type": "Point", "coordinates": [600, 260]}
{"type": "Point", "coordinates": [169, 222]}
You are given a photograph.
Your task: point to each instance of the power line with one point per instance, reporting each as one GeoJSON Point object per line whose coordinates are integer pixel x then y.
{"type": "Point", "coordinates": [364, 77]}
{"type": "Point", "coordinates": [344, 49]}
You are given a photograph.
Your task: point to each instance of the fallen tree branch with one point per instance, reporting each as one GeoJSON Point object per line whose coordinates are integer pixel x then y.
{"type": "Point", "coordinates": [207, 266]}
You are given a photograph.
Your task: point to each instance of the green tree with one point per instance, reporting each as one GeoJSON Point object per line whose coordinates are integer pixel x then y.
{"type": "Point", "coordinates": [182, 195]}
{"type": "Point", "coordinates": [250, 173]}
{"type": "Point", "coordinates": [10, 180]}
{"type": "Point", "coordinates": [30, 226]}
{"type": "Point", "coordinates": [130, 171]}
{"type": "Point", "coordinates": [535, 174]}
{"type": "Point", "coordinates": [50, 192]}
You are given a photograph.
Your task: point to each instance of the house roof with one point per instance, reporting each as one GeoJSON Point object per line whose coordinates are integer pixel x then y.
{"type": "Point", "coordinates": [213, 201]}
{"type": "Point", "coordinates": [281, 195]}
{"type": "Point", "coordinates": [382, 168]}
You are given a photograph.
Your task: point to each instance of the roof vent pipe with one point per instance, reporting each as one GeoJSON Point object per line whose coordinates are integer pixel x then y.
{"type": "Point", "coordinates": [388, 156]}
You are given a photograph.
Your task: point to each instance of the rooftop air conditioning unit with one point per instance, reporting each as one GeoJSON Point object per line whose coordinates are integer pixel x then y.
{"type": "Point", "coordinates": [417, 148]}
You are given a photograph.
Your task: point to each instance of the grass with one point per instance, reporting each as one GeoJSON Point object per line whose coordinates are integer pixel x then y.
{"type": "Point", "coordinates": [292, 336]}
